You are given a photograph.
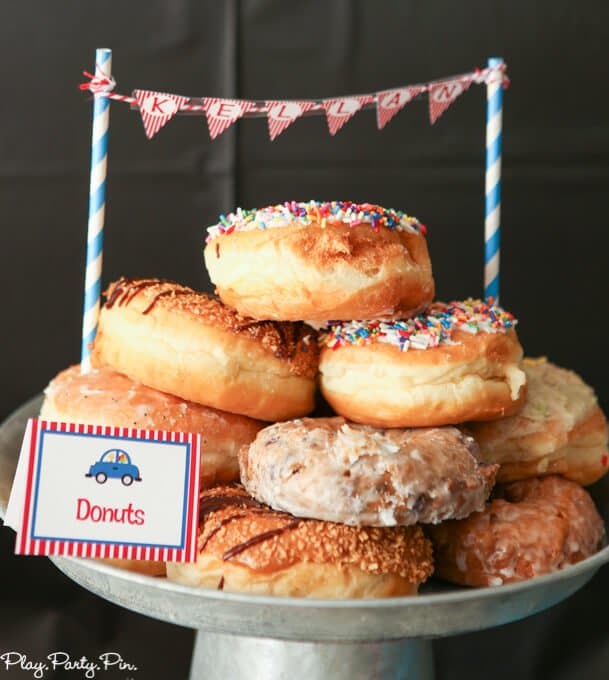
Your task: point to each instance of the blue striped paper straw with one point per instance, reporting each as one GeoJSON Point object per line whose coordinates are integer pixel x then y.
{"type": "Point", "coordinates": [494, 123]}
{"type": "Point", "coordinates": [97, 209]}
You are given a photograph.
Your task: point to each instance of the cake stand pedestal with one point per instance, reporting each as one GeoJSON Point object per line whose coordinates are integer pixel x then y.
{"type": "Point", "coordinates": [271, 638]}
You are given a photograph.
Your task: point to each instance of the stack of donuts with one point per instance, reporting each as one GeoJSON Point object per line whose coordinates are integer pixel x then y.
{"type": "Point", "coordinates": [426, 405]}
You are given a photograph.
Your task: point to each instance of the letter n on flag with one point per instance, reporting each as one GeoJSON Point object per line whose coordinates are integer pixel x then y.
{"type": "Point", "coordinates": [282, 114]}
{"type": "Point", "coordinates": [222, 113]}
{"type": "Point", "coordinates": [340, 111]}
{"type": "Point", "coordinates": [157, 108]}
{"type": "Point", "coordinates": [443, 93]}
{"type": "Point", "coordinates": [390, 102]}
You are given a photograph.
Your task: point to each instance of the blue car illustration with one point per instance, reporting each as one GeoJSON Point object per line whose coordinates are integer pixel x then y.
{"type": "Point", "coordinates": [115, 463]}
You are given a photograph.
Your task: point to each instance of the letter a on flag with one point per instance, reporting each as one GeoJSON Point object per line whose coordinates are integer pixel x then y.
{"type": "Point", "coordinates": [443, 93]}
{"type": "Point", "coordinates": [157, 108]}
{"type": "Point", "coordinates": [281, 114]}
{"type": "Point", "coordinates": [390, 102]}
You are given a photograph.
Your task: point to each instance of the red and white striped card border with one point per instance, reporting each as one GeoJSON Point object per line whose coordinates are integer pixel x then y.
{"type": "Point", "coordinates": [26, 545]}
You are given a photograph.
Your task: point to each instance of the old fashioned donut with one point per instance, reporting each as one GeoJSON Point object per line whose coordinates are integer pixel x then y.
{"type": "Point", "coordinates": [532, 527]}
{"type": "Point", "coordinates": [312, 260]}
{"type": "Point", "coordinates": [245, 546]}
{"type": "Point", "coordinates": [560, 430]}
{"type": "Point", "coordinates": [452, 363]}
{"type": "Point", "coordinates": [337, 471]}
{"type": "Point", "coordinates": [105, 397]}
{"type": "Point", "coordinates": [179, 341]}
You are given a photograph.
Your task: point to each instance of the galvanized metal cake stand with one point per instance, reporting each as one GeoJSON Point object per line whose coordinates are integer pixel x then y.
{"type": "Point", "coordinates": [268, 638]}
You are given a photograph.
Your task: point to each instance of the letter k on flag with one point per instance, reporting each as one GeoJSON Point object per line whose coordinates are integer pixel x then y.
{"type": "Point", "coordinates": [157, 108]}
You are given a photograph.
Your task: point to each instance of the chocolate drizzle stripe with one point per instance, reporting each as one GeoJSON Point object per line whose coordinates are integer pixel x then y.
{"type": "Point", "coordinates": [267, 535]}
{"type": "Point", "coordinates": [258, 512]}
{"type": "Point", "coordinates": [215, 503]}
{"type": "Point", "coordinates": [165, 293]}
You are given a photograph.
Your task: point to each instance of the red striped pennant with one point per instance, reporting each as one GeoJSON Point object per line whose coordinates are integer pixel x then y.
{"type": "Point", "coordinates": [281, 114]}
{"type": "Point", "coordinates": [222, 113]}
{"type": "Point", "coordinates": [443, 93]}
{"type": "Point", "coordinates": [390, 102]}
{"type": "Point", "coordinates": [157, 109]}
{"type": "Point", "coordinates": [340, 111]}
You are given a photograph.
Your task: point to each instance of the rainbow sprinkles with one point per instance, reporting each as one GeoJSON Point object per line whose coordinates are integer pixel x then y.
{"type": "Point", "coordinates": [315, 212]}
{"type": "Point", "coordinates": [429, 329]}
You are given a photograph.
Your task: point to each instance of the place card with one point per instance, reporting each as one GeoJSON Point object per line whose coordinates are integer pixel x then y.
{"type": "Point", "coordinates": [106, 492]}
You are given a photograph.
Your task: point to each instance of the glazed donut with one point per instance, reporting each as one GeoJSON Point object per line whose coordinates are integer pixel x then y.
{"type": "Point", "coordinates": [532, 527]}
{"type": "Point", "coordinates": [247, 547]}
{"type": "Point", "coordinates": [105, 397]}
{"type": "Point", "coordinates": [337, 471]}
{"type": "Point", "coordinates": [560, 430]}
{"type": "Point", "coordinates": [313, 260]}
{"type": "Point", "coordinates": [452, 363]}
{"type": "Point", "coordinates": [176, 340]}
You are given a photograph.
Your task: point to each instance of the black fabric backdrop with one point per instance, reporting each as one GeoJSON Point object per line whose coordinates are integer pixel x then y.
{"type": "Point", "coordinates": [162, 193]}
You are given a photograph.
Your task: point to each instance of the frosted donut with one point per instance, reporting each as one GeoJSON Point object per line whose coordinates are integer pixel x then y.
{"type": "Point", "coordinates": [358, 475]}
{"type": "Point", "coordinates": [452, 363]}
{"type": "Point", "coordinates": [246, 547]}
{"type": "Point", "coordinates": [532, 527]}
{"type": "Point", "coordinates": [560, 430]}
{"type": "Point", "coordinates": [179, 341]}
{"type": "Point", "coordinates": [313, 260]}
{"type": "Point", "coordinates": [105, 397]}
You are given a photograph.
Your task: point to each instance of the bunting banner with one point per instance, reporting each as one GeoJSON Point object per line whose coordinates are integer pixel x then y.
{"type": "Point", "coordinates": [282, 114]}
{"type": "Point", "coordinates": [158, 108]}
{"type": "Point", "coordinates": [442, 94]}
{"type": "Point", "coordinates": [340, 111]}
{"type": "Point", "coordinates": [222, 113]}
{"type": "Point", "coordinates": [391, 102]}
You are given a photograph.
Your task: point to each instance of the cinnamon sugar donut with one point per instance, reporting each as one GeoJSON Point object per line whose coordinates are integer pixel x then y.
{"type": "Point", "coordinates": [176, 340]}
{"type": "Point", "coordinates": [312, 260]}
{"type": "Point", "coordinates": [333, 470]}
{"type": "Point", "coordinates": [452, 363]}
{"type": "Point", "coordinates": [105, 397]}
{"type": "Point", "coordinates": [560, 430]}
{"type": "Point", "coordinates": [245, 546]}
{"type": "Point", "coordinates": [532, 527]}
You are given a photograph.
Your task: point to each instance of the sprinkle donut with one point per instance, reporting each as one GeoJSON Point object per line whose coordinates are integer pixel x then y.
{"type": "Point", "coordinates": [452, 363]}
{"type": "Point", "coordinates": [317, 261]}
{"type": "Point", "coordinates": [532, 527]}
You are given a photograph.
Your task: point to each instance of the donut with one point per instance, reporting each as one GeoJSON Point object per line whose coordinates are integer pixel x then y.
{"type": "Point", "coordinates": [337, 471]}
{"type": "Point", "coordinates": [452, 363]}
{"type": "Point", "coordinates": [179, 341]}
{"type": "Point", "coordinates": [560, 430]}
{"type": "Point", "coordinates": [105, 397]}
{"type": "Point", "coordinates": [312, 260]}
{"type": "Point", "coordinates": [147, 567]}
{"type": "Point", "coordinates": [532, 527]}
{"type": "Point", "coordinates": [246, 547]}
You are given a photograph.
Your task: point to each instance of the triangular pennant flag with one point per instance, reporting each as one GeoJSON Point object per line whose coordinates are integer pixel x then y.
{"type": "Point", "coordinates": [222, 113]}
{"type": "Point", "coordinates": [339, 111]}
{"type": "Point", "coordinates": [281, 114]}
{"type": "Point", "coordinates": [157, 108]}
{"type": "Point", "coordinates": [390, 102]}
{"type": "Point", "coordinates": [443, 93]}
